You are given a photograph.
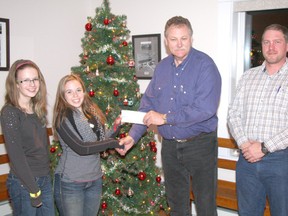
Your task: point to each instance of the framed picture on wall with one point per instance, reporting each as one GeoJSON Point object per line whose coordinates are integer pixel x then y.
{"type": "Point", "coordinates": [147, 53]}
{"type": "Point", "coordinates": [4, 45]}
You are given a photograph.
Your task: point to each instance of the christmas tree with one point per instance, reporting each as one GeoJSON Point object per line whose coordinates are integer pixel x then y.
{"type": "Point", "coordinates": [256, 55]}
{"type": "Point", "coordinates": [132, 184]}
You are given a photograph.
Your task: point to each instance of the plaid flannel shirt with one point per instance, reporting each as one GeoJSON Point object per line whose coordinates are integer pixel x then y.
{"type": "Point", "coordinates": [260, 108]}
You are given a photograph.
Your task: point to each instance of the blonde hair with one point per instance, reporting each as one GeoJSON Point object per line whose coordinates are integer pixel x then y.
{"type": "Point", "coordinates": [39, 102]}
{"type": "Point", "coordinates": [62, 106]}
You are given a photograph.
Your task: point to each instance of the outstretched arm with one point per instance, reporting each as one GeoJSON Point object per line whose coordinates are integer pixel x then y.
{"type": "Point", "coordinates": [85, 148]}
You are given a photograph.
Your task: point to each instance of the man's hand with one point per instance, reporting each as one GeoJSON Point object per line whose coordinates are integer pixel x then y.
{"type": "Point", "coordinates": [252, 153]}
{"type": "Point", "coordinates": [128, 141]}
{"type": "Point", "coordinates": [153, 118]}
{"type": "Point", "coordinates": [245, 145]}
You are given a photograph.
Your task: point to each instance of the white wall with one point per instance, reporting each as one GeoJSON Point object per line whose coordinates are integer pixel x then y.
{"type": "Point", "coordinates": [49, 33]}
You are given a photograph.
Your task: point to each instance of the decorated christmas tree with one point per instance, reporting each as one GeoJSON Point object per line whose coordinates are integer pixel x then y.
{"type": "Point", "coordinates": [132, 184]}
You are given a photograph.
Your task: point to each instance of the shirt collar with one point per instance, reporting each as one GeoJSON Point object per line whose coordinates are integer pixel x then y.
{"type": "Point", "coordinates": [183, 64]}
{"type": "Point", "coordinates": [281, 70]}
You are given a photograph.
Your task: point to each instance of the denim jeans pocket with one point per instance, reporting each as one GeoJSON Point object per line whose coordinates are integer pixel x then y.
{"type": "Point", "coordinates": [14, 186]}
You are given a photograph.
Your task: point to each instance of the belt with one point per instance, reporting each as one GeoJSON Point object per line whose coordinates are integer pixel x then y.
{"type": "Point", "coordinates": [187, 139]}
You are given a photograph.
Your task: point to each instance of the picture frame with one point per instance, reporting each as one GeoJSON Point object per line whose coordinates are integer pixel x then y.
{"type": "Point", "coordinates": [147, 53]}
{"type": "Point", "coordinates": [4, 44]}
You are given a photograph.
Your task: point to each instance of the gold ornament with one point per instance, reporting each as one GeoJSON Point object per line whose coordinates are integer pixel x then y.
{"type": "Point", "coordinates": [142, 147]}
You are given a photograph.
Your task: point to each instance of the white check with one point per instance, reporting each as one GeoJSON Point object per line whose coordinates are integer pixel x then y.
{"type": "Point", "coordinates": [129, 116]}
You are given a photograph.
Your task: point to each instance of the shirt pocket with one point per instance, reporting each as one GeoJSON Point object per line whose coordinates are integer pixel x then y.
{"type": "Point", "coordinates": [186, 95]}
{"type": "Point", "coordinates": [281, 99]}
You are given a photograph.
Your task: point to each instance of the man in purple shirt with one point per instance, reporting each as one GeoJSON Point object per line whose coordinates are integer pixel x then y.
{"type": "Point", "coordinates": [182, 100]}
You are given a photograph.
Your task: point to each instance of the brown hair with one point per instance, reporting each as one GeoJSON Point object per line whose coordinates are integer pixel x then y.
{"type": "Point", "coordinates": [277, 27]}
{"type": "Point", "coordinates": [39, 102]}
{"type": "Point", "coordinates": [62, 106]}
{"type": "Point", "coordinates": [178, 21]}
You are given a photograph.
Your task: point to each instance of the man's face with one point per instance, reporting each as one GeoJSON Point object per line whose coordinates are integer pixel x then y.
{"type": "Point", "coordinates": [179, 41]}
{"type": "Point", "coordinates": [274, 47]}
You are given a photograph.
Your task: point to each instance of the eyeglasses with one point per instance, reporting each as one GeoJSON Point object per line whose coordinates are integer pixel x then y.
{"type": "Point", "coordinates": [29, 81]}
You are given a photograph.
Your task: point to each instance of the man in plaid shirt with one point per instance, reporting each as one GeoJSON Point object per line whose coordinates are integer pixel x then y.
{"type": "Point", "coordinates": [258, 121]}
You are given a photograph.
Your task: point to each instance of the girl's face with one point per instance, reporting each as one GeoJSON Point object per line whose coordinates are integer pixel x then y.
{"type": "Point", "coordinates": [28, 83]}
{"type": "Point", "coordinates": [74, 94]}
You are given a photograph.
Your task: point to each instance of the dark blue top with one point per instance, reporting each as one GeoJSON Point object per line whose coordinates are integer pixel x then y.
{"type": "Point", "coordinates": [189, 94]}
{"type": "Point", "coordinates": [26, 142]}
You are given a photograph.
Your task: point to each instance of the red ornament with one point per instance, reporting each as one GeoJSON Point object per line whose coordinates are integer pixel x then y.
{"type": "Point", "coordinates": [141, 176]}
{"type": "Point", "coordinates": [152, 144]}
{"type": "Point", "coordinates": [124, 43]}
{"type": "Point", "coordinates": [122, 135]}
{"type": "Point", "coordinates": [117, 191]}
{"type": "Point", "coordinates": [104, 205]}
{"type": "Point", "coordinates": [116, 92]}
{"type": "Point", "coordinates": [153, 149]}
{"type": "Point", "coordinates": [85, 57]}
{"type": "Point", "coordinates": [52, 149]}
{"type": "Point", "coordinates": [91, 93]}
{"type": "Point", "coordinates": [106, 21]}
{"type": "Point", "coordinates": [88, 26]}
{"type": "Point", "coordinates": [110, 60]}
{"type": "Point", "coordinates": [158, 179]}
{"type": "Point", "coordinates": [125, 102]}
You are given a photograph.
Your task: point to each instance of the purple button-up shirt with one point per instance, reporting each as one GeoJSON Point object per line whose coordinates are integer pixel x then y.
{"type": "Point", "coordinates": [189, 94]}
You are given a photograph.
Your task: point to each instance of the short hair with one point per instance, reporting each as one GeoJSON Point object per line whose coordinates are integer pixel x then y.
{"type": "Point", "coordinates": [277, 27]}
{"type": "Point", "coordinates": [178, 21]}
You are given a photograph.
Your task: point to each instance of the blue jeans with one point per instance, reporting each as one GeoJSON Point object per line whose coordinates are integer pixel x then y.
{"type": "Point", "coordinates": [20, 198]}
{"type": "Point", "coordinates": [197, 159]}
{"type": "Point", "coordinates": [77, 198]}
{"type": "Point", "coordinates": [255, 181]}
